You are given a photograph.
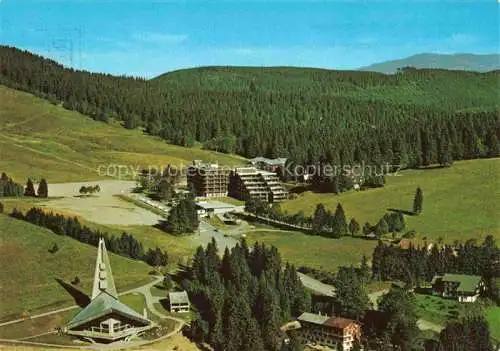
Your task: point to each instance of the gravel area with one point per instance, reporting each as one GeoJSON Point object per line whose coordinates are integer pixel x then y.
{"type": "Point", "coordinates": [103, 207]}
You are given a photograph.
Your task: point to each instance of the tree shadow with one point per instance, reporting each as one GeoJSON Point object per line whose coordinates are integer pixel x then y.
{"type": "Point", "coordinates": [81, 299]}
{"type": "Point", "coordinates": [165, 304]}
{"type": "Point", "coordinates": [405, 212]}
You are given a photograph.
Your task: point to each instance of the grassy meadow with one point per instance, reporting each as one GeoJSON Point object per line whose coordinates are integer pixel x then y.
{"type": "Point", "coordinates": [38, 139]}
{"type": "Point", "coordinates": [314, 251]}
{"type": "Point", "coordinates": [29, 271]}
{"type": "Point", "coordinates": [460, 202]}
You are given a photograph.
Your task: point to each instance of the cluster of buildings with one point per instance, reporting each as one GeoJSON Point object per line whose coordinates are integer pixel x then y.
{"type": "Point", "coordinates": [258, 181]}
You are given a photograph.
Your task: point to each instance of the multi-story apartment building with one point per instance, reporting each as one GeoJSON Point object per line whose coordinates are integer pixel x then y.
{"type": "Point", "coordinates": [208, 180]}
{"type": "Point", "coordinates": [335, 332]}
{"type": "Point", "coordinates": [249, 182]}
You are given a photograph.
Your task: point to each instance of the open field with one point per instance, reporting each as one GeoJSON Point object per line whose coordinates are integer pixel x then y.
{"type": "Point", "coordinates": [177, 340]}
{"type": "Point", "coordinates": [38, 139]}
{"type": "Point", "coordinates": [29, 271]}
{"type": "Point", "coordinates": [179, 248]}
{"type": "Point", "coordinates": [31, 328]}
{"type": "Point", "coordinates": [315, 251]}
{"type": "Point", "coordinates": [460, 202]}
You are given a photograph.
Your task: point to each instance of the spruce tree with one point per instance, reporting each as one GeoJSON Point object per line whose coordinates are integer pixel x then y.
{"type": "Point", "coordinates": [354, 227]}
{"type": "Point", "coordinates": [399, 306]}
{"type": "Point", "coordinates": [30, 189]}
{"type": "Point", "coordinates": [494, 149]}
{"type": "Point", "coordinates": [339, 222]}
{"type": "Point", "coordinates": [418, 201]}
{"type": "Point", "coordinates": [43, 189]}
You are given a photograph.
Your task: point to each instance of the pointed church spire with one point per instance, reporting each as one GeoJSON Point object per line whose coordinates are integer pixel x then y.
{"type": "Point", "coordinates": [103, 278]}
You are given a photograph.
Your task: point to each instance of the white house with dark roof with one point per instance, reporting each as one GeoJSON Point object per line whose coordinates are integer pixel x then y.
{"type": "Point", "coordinates": [179, 301]}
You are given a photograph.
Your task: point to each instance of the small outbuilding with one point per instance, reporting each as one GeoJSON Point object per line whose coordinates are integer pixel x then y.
{"type": "Point", "coordinates": [179, 301]}
{"type": "Point", "coordinates": [209, 208]}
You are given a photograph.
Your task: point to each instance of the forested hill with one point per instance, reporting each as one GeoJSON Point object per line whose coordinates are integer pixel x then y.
{"type": "Point", "coordinates": [416, 117]}
{"type": "Point", "coordinates": [421, 87]}
{"type": "Point", "coordinates": [467, 62]}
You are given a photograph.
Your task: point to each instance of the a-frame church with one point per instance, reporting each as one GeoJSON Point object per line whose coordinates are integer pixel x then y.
{"type": "Point", "coordinates": [105, 318]}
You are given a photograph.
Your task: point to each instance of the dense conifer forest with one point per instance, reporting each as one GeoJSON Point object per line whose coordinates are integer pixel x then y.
{"type": "Point", "coordinates": [243, 298]}
{"type": "Point", "coordinates": [416, 117]}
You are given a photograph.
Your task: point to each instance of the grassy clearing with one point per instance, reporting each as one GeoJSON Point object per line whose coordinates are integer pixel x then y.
{"type": "Point", "coordinates": [180, 248]}
{"type": "Point", "coordinates": [493, 317]}
{"type": "Point", "coordinates": [38, 139]}
{"type": "Point", "coordinates": [441, 311]}
{"type": "Point", "coordinates": [29, 271]}
{"type": "Point", "coordinates": [35, 326]}
{"type": "Point", "coordinates": [460, 202]}
{"type": "Point", "coordinates": [315, 251]}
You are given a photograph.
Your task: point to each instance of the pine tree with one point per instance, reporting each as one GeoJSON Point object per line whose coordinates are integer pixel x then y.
{"type": "Point", "coordinates": [418, 201]}
{"type": "Point", "coordinates": [381, 228]}
{"type": "Point", "coordinates": [30, 189]}
{"type": "Point", "coordinates": [339, 222]}
{"type": "Point", "coordinates": [43, 189]}
{"type": "Point", "coordinates": [494, 149]}
{"type": "Point", "coordinates": [400, 308]}
{"type": "Point", "coordinates": [351, 294]}
{"type": "Point", "coordinates": [319, 219]}
{"type": "Point", "coordinates": [354, 227]}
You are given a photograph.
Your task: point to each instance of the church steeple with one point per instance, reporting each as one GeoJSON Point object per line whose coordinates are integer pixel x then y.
{"type": "Point", "coordinates": [103, 277]}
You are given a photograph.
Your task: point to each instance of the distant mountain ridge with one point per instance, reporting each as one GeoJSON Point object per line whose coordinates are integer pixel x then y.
{"type": "Point", "coordinates": [463, 62]}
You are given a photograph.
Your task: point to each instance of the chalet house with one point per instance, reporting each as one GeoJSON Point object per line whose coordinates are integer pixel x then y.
{"type": "Point", "coordinates": [334, 332]}
{"type": "Point", "coordinates": [179, 301]}
{"type": "Point", "coordinates": [464, 288]}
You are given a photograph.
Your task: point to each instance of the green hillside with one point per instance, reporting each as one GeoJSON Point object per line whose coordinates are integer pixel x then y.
{"type": "Point", "coordinates": [39, 139]}
{"type": "Point", "coordinates": [460, 202]}
{"type": "Point", "coordinates": [29, 271]}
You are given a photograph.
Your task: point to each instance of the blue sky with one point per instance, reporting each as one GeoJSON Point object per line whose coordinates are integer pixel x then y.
{"type": "Point", "coordinates": [147, 38]}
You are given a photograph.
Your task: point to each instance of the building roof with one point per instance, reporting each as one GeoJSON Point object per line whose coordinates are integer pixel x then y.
{"type": "Point", "coordinates": [466, 283]}
{"type": "Point", "coordinates": [416, 243]}
{"type": "Point", "coordinates": [178, 297]}
{"type": "Point", "coordinates": [332, 322]}
{"type": "Point", "coordinates": [102, 305]}
{"type": "Point", "coordinates": [104, 298]}
{"type": "Point", "coordinates": [269, 161]}
{"type": "Point", "coordinates": [103, 276]}
{"type": "Point", "coordinates": [312, 318]}
{"type": "Point", "coordinates": [211, 205]}
{"type": "Point", "coordinates": [339, 322]}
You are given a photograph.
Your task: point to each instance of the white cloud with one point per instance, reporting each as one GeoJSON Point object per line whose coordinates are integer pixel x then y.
{"type": "Point", "coordinates": [160, 38]}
